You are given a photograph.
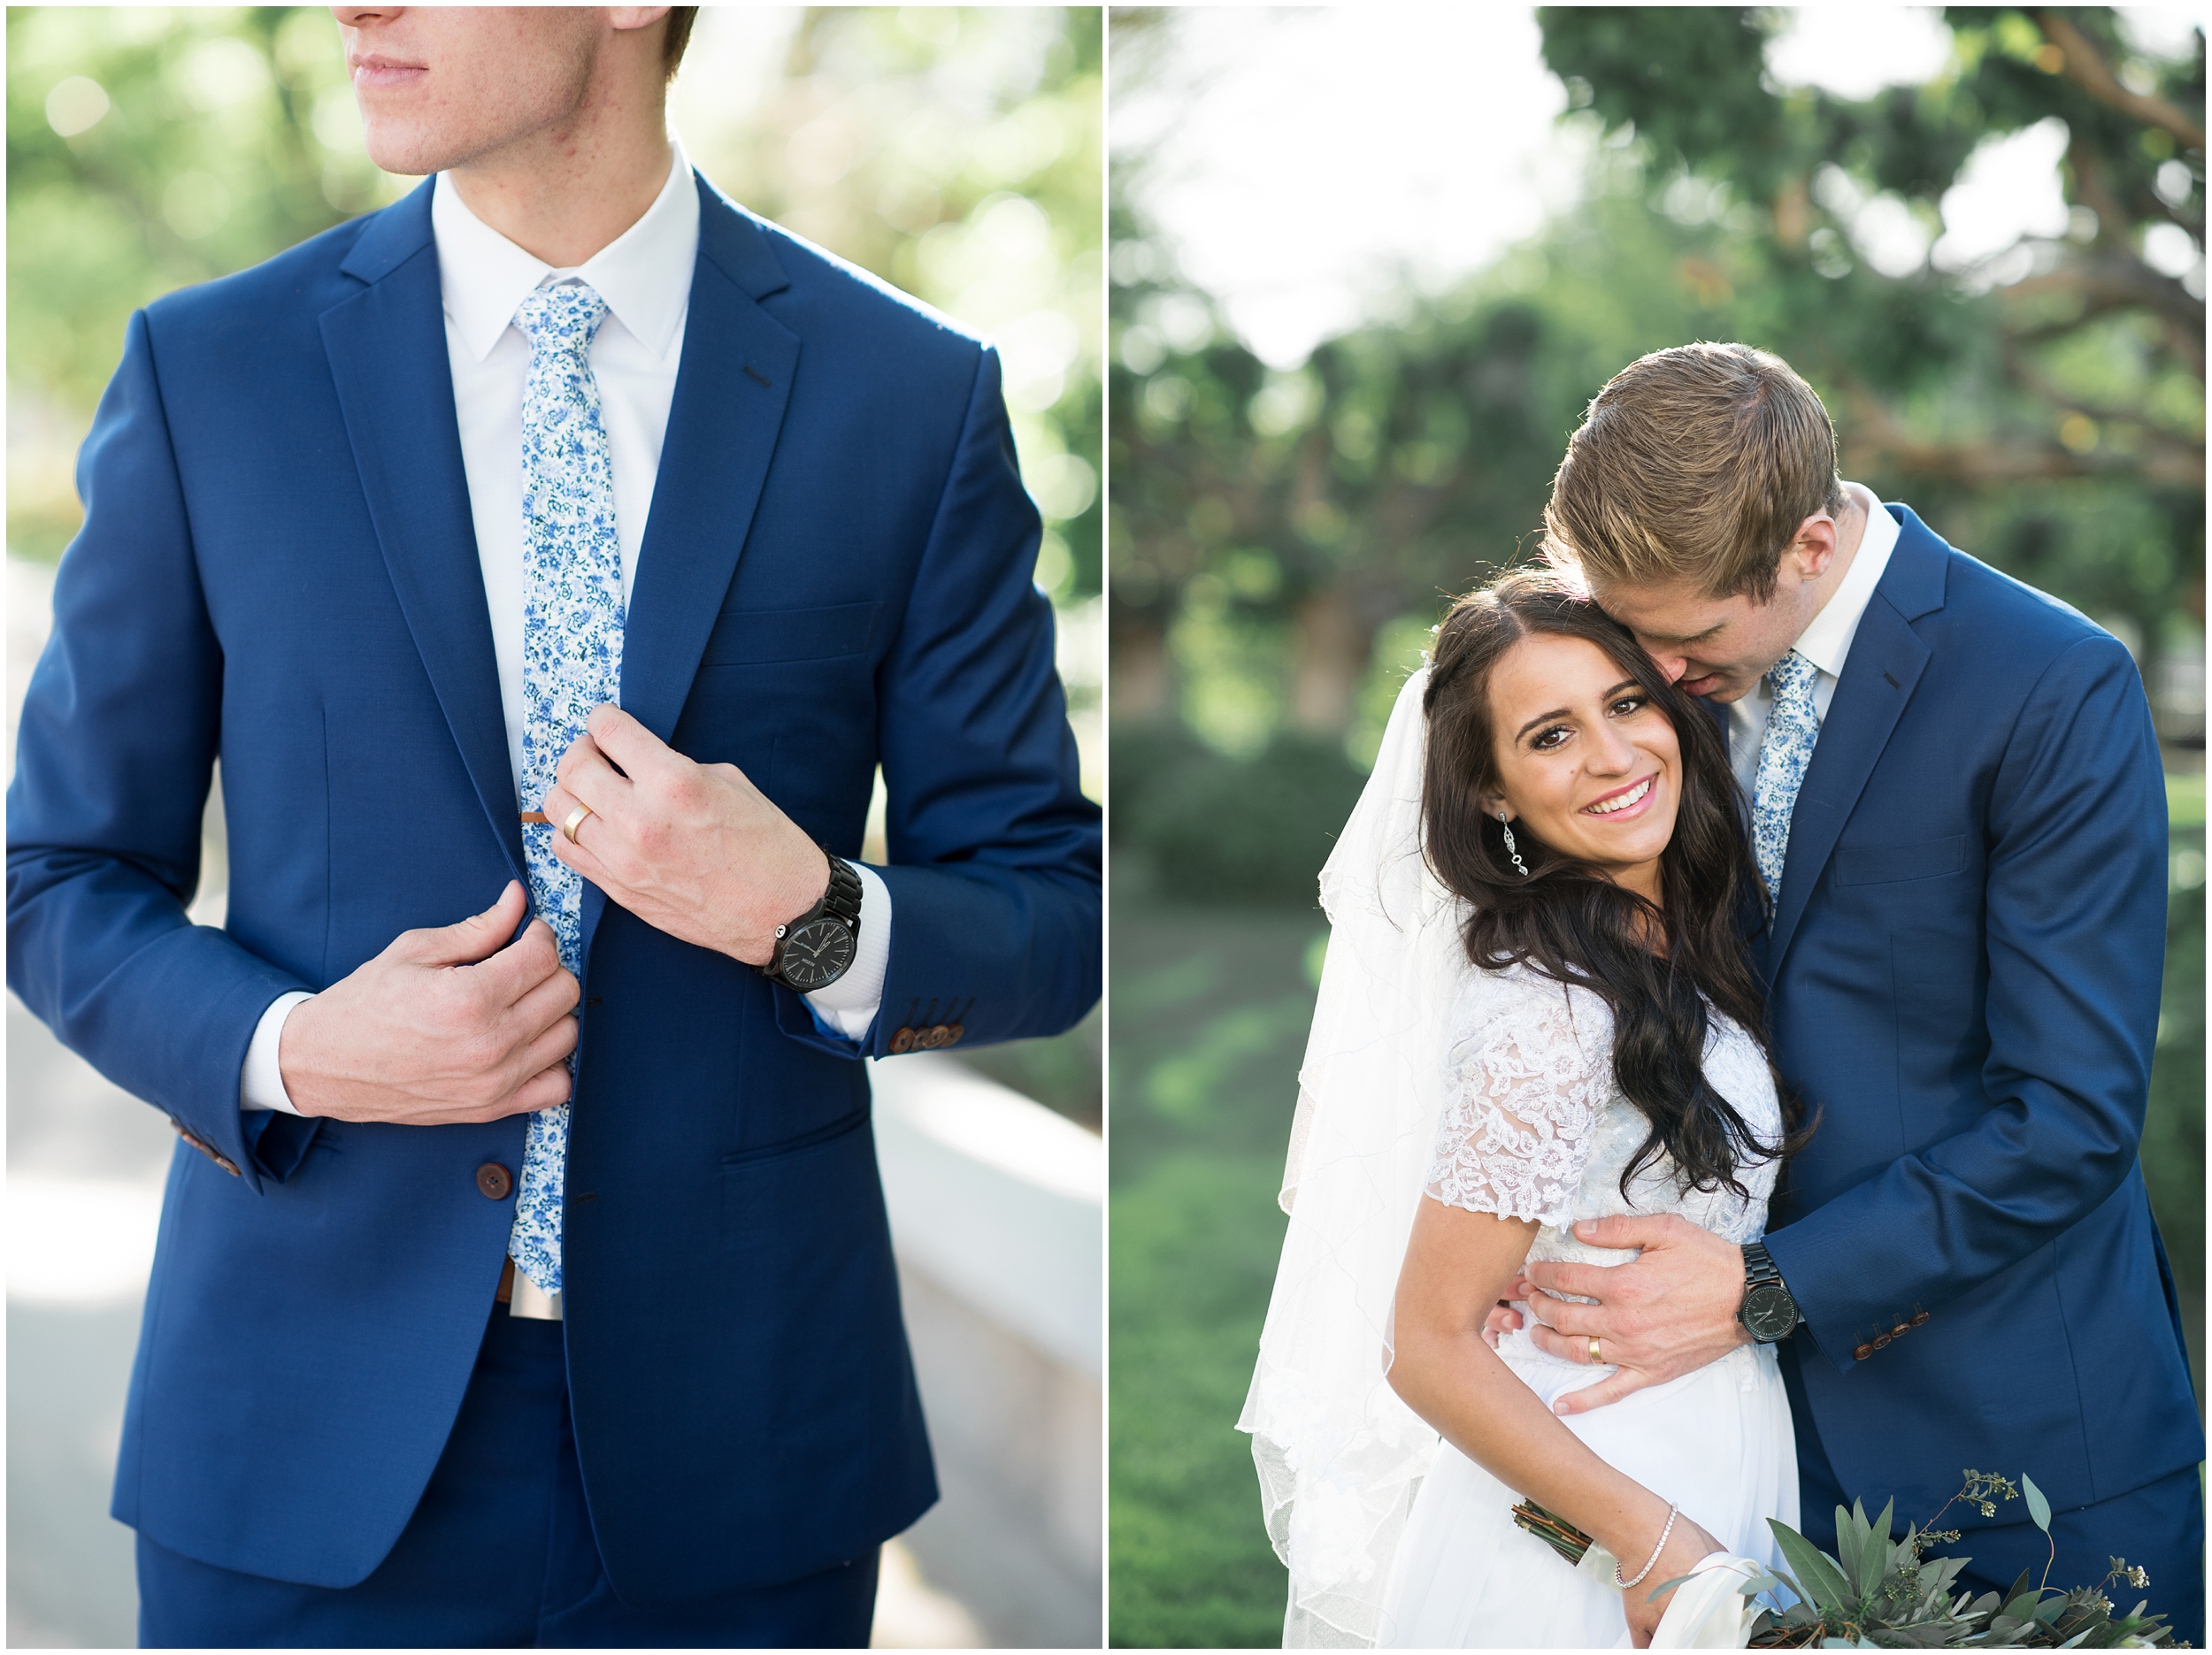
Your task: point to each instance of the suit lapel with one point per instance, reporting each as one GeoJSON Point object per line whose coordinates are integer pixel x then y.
{"type": "Point", "coordinates": [732, 388]}
{"type": "Point", "coordinates": [1886, 660]}
{"type": "Point", "coordinates": [388, 357]}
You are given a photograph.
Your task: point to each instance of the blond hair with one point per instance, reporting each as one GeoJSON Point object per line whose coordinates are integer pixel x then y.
{"type": "Point", "coordinates": [1696, 464]}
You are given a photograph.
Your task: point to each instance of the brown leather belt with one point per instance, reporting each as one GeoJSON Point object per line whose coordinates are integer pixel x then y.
{"type": "Point", "coordinates": [506, 1293]}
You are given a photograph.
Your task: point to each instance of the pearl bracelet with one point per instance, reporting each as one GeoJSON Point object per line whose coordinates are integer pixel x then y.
{"type": "Point", "coordinates": [1672, 1512]}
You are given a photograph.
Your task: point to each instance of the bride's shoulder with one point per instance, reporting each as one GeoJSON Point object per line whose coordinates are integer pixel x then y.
{"type": "Point", "coordinates": [1517, 1001]}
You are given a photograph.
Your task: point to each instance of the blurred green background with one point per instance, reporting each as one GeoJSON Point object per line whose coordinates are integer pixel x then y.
{"type": "Point", "coordinates": [956, 152]}
{"type": "Point", "coordinates": [1283, 537]}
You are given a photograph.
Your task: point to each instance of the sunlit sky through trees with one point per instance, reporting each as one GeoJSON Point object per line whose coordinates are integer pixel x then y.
{"type": "Point", "coordinates": [1304, 164]}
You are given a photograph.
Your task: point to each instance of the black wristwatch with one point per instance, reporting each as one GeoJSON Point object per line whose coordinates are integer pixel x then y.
{"type": "Point", "coordinates": [816, 948]}
{"type": "Point", "coordinates": [1767, 1312]}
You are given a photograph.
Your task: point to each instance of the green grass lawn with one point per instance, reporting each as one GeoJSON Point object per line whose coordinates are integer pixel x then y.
{"type": "Point", "coordinates": [1210, 1012]}
{"type": "Point", "coordinates": [1209, 1008]}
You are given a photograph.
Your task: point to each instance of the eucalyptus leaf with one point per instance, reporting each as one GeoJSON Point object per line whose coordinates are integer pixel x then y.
{"type": "Point", "coordinates": [2039, 1508]}
{"type": "Point", "coordinates": [1813, 1566]}
{"type": "Point", "coordinates": [1850, 1538]}
{"type": "Point", "coordinates": [1874, 1551]}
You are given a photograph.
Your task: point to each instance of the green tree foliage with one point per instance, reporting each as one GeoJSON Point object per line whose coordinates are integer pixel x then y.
{"type": "Point", "coordinates": [953, 151]}
{"type": "Point", "coordinates": [2043, 408]}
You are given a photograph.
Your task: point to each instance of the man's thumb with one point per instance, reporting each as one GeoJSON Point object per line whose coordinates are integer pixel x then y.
{"type": "Point", "coordinates": [479, 937]}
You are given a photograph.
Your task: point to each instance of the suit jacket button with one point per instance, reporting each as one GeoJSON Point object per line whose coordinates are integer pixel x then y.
{"type": "Point", "coordinates": [1863, 1352]}
{"type": "Point", "coordinates": [1901, 1328]}
{"type": "Point", "coordinates": [494, 1180]}
{"type": "Point", "coordinates": [1880, 1339]}
{"type": "Point", "coordinates": [952, 1031]}
{"type": "Point", "coordinates": [937, 1034]}
{"type": "Point", "coordinates": [1917, 1320]}
{"type": "Point", "coordinates": [903, 1041]}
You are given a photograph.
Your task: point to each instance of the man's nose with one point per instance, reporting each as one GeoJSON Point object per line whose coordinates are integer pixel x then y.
{"type": "Point", "coordinates": [1673, 665]}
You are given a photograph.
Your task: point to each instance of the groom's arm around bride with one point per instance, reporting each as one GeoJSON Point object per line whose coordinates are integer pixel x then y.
{"type": "Point", "coordinates": [1964, 951]}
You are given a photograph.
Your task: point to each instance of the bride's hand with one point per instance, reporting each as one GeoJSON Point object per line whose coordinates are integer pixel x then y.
{"type": "Point", "coordinates": [1686, 1547]}
{"type": "Point", "coordinates": [1504, 1318]}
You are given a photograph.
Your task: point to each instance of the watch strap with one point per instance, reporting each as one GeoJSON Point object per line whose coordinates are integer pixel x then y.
{"type": "Point", "coordinates": [843, 898]}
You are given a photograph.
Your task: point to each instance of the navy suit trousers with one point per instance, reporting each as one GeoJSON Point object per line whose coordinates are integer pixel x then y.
{"type": "Point", "coordinates": [498, 1554]}
{"type": "Point", "coordinates": [2158, 1528]}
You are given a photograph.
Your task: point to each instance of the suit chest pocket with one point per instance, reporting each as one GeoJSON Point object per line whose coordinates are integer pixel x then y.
{"type": "Point", "coordinates": [1891, 864]}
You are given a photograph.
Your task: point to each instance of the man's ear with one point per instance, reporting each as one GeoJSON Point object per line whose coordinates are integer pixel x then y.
{"type": "Point", "coordinates": [1814, 546]}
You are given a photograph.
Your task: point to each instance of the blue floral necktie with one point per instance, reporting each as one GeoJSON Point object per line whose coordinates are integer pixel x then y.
{"type": "Point", "coordinates": [571, 662]}
{"type": "Point", "coordinates": [1786, 748]}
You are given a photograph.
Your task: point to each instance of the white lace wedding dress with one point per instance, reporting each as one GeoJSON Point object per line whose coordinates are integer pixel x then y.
{"type": "Point", "coordinates": [1534, 1128]}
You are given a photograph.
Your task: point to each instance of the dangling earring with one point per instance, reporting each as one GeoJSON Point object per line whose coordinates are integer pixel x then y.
{"type": "Point", "coordinates": [1511, 849]}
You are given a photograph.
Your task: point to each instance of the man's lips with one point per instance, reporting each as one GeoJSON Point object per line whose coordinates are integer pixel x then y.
{"type": "Point", "coordinates": [383, 72]}
{"type": "Point", "coordinates": [1630, 800]}
{"type": "Point", "coordinates": [1699, 686]}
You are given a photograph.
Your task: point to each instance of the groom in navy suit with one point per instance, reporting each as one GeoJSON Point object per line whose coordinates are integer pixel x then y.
{"type": "Point", "coordinates": [563, 539]}
{"type": "Point", "coordinates": [1956, 798]}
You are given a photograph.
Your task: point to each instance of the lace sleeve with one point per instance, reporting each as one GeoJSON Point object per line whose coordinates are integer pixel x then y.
{"type": "Point", "coordinates": [1523, 1087]}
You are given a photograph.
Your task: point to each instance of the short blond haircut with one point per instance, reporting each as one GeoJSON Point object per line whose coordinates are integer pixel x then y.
{"type": "Point", "coordinates": [1697, 464]}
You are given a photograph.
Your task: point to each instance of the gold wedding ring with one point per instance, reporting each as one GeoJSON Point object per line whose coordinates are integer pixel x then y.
{"type": "Point", "coordinates": [576, 820]}
{"type": "Point", "coordinates": [1596, 1360]}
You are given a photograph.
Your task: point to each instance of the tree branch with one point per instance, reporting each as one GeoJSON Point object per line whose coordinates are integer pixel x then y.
{"type": "Point", "coordinates": [2115, 279]}
{"type": "Point", "coordinates": [2086, 67]}
{"type": "Point", "coordinates": [1875, 431]}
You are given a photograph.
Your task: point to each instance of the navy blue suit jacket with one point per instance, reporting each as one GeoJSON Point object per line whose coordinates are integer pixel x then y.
{"type": "Point", "coordinates": [278, 568]}
{"type": "Point", "coordinates": [1965, 958]}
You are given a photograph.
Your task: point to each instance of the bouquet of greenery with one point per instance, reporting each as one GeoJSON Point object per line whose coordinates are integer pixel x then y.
{"type": "Point", "coordinates": [1883, 1594]}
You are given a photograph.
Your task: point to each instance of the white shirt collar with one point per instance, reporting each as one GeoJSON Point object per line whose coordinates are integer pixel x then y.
{"type": "Point", "coordinates": [1827, 641]}
{"type": "Point", "coordinates": [644, 274]}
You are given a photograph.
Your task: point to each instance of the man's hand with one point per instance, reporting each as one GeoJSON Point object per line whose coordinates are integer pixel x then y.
{"type": "Point", "coordinates": [1657, 1317]}
{"type": "Point", "coordinates": [695, 850]}
{"type": "Point", "coordinates": [444, 1025]}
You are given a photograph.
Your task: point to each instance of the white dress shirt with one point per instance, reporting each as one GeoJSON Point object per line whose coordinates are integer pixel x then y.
{"type": "Point", "coordinates": [1825, 643]}
{"type": "Point", "coordinates": [645, 277]}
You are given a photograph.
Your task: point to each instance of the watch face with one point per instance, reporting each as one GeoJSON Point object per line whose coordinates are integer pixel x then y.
{"type": "Point", "coordinates": [816, 955]}
{"type": "Point", "coordinates": [1769, 1312]}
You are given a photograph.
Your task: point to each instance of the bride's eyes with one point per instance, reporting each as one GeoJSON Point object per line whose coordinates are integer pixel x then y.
{"type": "Point", "coordinates": [1555, 735]}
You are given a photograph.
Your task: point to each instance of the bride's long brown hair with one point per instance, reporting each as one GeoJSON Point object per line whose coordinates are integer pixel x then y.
{"type": "Point", "coordinates": [1657, 967]}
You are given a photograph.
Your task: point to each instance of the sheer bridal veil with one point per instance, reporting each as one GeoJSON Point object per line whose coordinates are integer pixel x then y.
{"type": "Point", "coordinates": [1339, 1456]}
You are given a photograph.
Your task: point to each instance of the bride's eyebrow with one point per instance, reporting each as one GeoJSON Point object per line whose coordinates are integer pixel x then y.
{"type": "Point", "coordinates": [1561, 712]}
{"type": "Point", "coordinates": [1541, 718]}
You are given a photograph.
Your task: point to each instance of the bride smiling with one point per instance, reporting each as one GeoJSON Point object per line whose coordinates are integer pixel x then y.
{"type": "Point", "coordinates": [1536, 1011]}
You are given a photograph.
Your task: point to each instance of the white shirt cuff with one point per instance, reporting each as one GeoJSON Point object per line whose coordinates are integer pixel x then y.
{"type": "Point", "coordinates": [261, 1081]}
{"type": "Point", "coordinates": [849, 1004]}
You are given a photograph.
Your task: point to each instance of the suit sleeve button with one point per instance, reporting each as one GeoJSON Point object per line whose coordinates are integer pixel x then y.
{"type": "Point", "coordinates": [903, 1041]}
{"type": "Point", "coordinates": [1917, 1320]}
{"type": "Point", "coordinates": [952, 1031]}
{"type": "Point", "coordinates": [1863, 1352]}
{"type": "Point", "coordinates": [1901, 1328]}
{"type": "Point", "coordinates": [494, 1181]}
